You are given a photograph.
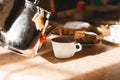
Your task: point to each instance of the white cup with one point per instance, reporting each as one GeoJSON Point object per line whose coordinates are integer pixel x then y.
{"type": "Point", "coordinates": [65, 47]}
{"type": "Point", "coordinates": [115, 33]}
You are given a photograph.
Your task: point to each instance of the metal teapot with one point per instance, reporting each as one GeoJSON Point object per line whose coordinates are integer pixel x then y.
{"type": "Point", "coordinates": [23, 37]}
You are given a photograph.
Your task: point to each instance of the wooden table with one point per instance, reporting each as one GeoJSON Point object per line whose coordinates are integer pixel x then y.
{"type": "Point", "coordinates": [99, 62]}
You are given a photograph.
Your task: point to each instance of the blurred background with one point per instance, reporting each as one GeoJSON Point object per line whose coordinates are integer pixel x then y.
{"type": "Point", "coordinates": [86, 10]}
{"type": "Point", "coordinates": [93, 11]}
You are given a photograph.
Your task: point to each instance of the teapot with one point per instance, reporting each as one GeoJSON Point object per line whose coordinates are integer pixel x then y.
{"type": "Point", "coordinates": [23, 37]}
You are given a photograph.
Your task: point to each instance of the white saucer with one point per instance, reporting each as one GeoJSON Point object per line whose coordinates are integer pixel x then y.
{"type": "Point", "coordinates": [109, 39]}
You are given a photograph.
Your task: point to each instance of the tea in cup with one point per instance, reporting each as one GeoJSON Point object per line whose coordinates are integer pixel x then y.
{"type": "Point", "coordinates": [65, 47]}
{"type": "Point", "coordinates": [115, 33]}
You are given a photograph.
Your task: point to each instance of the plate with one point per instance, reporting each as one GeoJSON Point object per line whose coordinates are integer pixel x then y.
{"type": "Point", "coordinates": [89, 45]}
{"type": "Point", "coordinates": [109, 39]}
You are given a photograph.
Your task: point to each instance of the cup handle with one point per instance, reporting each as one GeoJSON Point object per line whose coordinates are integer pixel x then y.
{"type": "Point", "coordinates": [77, 47]}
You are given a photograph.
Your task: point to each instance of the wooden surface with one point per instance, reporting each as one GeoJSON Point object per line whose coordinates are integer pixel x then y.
{"type": "Point", "coordinates": [99, 62]}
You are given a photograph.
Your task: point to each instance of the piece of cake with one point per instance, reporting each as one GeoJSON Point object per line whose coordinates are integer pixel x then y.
{"type": "Point", "coordinates": [85, 37]}
{"type": "Point", "coordinates": [69, 28]}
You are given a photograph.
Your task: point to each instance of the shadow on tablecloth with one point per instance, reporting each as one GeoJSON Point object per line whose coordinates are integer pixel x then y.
{"type": "Point", "coordinates": [86, 51]}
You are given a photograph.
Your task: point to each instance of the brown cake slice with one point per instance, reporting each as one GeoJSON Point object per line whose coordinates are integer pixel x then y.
{"type": "Point", "coordinates": [86, 37]}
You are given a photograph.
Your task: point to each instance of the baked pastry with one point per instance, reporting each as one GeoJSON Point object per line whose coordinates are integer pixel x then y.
{"type": "Point", "coordinates": [69, 28]}
{"type": "Point", "coordinates": [104, 30]}
{"type": "Point", "coordinates": [85, 37]}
